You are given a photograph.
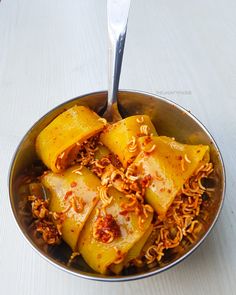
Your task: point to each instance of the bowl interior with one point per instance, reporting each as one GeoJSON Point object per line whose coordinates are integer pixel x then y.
{"type": "Point", "coordinates": [170, 120]}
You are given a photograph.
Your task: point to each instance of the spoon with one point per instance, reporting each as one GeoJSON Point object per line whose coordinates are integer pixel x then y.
{"type": "Point", "coordinates": [117, 16]}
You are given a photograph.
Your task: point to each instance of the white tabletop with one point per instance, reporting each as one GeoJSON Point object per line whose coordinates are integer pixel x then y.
{"type": "Point", "coordinates": [54, 50]}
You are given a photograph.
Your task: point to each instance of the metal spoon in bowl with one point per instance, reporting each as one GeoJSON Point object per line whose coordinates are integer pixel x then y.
{"type": "Point", "coordinates": [117, 16]}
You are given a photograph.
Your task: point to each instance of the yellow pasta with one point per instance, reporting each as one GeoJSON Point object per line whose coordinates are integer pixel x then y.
{"type": "Point", "coordinates": [121, 137]}
{"type": "Point", "coordinates": [169, 164]}
{"type": "Point", "coordinates": [59, 143]}
{"type": "Point", "coordinates": [73, 195]}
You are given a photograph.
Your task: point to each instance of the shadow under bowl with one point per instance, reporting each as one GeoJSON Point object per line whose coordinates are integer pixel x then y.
{"type": "Point", "coordinates": [170, 120]}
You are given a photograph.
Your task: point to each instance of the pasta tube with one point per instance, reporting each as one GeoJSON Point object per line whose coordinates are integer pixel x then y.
{"type": "Point", "coordinates": [73, 195]}
{"type": "Point", "coordinates": [169, 164]}
{"type": "Point", "coordinates": [121, 137]}
{"type": "Point", "coordinates": [59, 143]}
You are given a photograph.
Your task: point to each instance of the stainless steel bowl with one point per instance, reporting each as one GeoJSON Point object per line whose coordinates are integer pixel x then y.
{"type": "Point", "coordinates": [169, 119]}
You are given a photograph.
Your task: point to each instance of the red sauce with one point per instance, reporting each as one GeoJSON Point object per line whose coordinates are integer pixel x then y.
{"type": "Point", "coordinates": [73, 184]}
{"type": "Point", "coordinates": [124, 212]}
{"type": "Point", "coordinates": [67, 195]}
{"type": "Point", "coordinates": [127, 218]}
{"type": "Point", "coordinates": [145, 182]}
{"type": "Point", "coordinates": [147, 140]}
{"type": "Point", "coordinates": [105, 226]}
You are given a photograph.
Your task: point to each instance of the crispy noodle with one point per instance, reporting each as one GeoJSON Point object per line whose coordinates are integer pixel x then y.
{"type": "Point", "coordinates": [116, 174]}
{"type": "Point", "coordinates": [72, 257]}
{"type": "Point", "coordinates": [187, 159]}
{"type": "Point", "coordinates": [132, 146]}
{"type": "Point", "coordinates": [144, 129]}
{"type": "Point", "coordinates": [44, 221]}
{"type": "Point", "coordinates": [149, 151]}
{"type": "Point", "coordinates": [106, 200]}
{"type": "Point", "coordinates": [140, 120]}
{"type": "Point", "coordinates": [78, 170]}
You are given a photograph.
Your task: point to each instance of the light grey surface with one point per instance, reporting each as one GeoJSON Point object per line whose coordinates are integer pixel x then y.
{"type": "Point", "coordinates": [54, 50]}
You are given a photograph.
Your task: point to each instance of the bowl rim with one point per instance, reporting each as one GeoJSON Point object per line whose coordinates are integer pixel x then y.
{"type": "Point", "coordinates": [98, 277]}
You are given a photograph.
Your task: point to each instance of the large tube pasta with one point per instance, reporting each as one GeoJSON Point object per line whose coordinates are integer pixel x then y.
{"type": "Point", "coordinates": [169, 164]}
{"type": "Point", "coordinates": [100, 254]}
{"type": "Point", "coordinates": [75, 193]}
{"type": "Point", "coordinates": [121, 137]}
{"type": "Point", "coordinates": [58, 144]}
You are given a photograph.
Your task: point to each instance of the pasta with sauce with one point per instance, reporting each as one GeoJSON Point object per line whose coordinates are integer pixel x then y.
{"type": "Point", "coordinates": [118, 194]}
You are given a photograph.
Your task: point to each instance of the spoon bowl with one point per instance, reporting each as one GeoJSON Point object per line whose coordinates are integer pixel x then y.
{"type": "Point", "coordinates": [170, 120]}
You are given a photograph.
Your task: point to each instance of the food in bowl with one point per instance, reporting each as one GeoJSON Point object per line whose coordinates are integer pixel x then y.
{"type": "Point", "coordinates": [118, 194]}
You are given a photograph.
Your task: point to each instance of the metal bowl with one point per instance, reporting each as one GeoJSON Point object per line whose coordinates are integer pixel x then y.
{"type": "Point", "coordinates": [170, 120]}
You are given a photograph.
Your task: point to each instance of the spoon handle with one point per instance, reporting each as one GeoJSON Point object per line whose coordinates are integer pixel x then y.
{"type": "Point", "coordinates": [117, 16]}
